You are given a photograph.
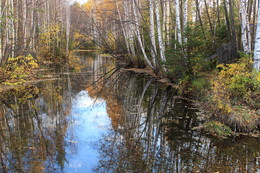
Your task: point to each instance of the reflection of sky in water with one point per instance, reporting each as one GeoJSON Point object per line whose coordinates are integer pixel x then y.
{"type": "Point", "coordinates": [87, 125]}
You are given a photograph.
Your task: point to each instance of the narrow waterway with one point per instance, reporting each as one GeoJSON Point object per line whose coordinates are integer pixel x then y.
{"type": "Point", "coordinates": [99, 118]}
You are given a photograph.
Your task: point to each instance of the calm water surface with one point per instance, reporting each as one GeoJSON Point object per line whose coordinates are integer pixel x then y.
{"type": "Point", "coordinates": [99, 119]}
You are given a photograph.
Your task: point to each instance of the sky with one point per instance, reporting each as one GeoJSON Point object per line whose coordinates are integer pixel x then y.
{"type": "Point", "coordinates": [80, 1]}
{"type": "Point", "coordinates": [88, 123]}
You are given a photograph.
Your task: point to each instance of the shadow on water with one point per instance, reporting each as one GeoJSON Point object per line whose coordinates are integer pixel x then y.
{"type": "Point", "coordinates": [100, 119]}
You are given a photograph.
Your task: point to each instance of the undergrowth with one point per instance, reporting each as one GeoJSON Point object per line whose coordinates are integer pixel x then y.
{"type": "Point", "coordinates": [17, 69]}
{"type": "Point", "coordinates": [233, 97]}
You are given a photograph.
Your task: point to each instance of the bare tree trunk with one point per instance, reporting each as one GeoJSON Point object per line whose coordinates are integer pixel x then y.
{"type": "Point", "coordinates": [24, 21]}
{"type": "Point", "coordinates": [123, 27]}
{"type": "Point", "coordinates": [210, 24]}
{"type": "Point", "coordinates": [129, 28]}
{"type": "Point", "coordinates": [233, 30]}
{"type": "Point", "coordinates": [245, 30]}
{"type": "Point", "coordinates": [152, 32]}
{"type": "Point", "coordinates": [218, 12]}
{"type": "Point", "coordinates": [1, 33]}
{"type": "Point", "coordinates": [199, 16]}
{"type": "Point", "coordinates": [12, 28]}
{"type": "Point", "coordinates": [227, 19]}
{"type": "Point", "coordinates": [185, 19]}
{"type": "Point", "coordinates": [159, 32]}
{"type": "Point", "coordinates": [257, 43]}
{"type": "Point", "coordinates": [138, 34]}
{"type": "Point", "coordinates": [168, 22]}
{"type": "Point", "coordinates": [178, 22]}
{"type": "Point", "coordinates": [67, 27]}
{"type": "Point", "coordinates": [254, 20]}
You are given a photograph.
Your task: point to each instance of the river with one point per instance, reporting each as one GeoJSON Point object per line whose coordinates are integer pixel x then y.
{"type": "Point", "coordinates": [100, 118]}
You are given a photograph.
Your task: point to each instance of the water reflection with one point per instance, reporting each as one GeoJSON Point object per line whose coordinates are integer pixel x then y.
{"type": "Point", "coordinates": [33, 126]}
{"type": "Point", "coordinates": [99, 119]}
{"type": "Point", "coordinates": [152, 132]}
{"type": "Point", "coordinates": [42, 126]}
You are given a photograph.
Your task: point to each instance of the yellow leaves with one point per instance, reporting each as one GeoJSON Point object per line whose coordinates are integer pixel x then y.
{"type": "Point", "coordinates": [89, 5]}
{"type": "Point", "coordinates": [78, 35]}
{"type": "Point", "coordinates": [104, 10]}
{"type": "Point", "coordinates": [53, 34]}
{"type": "Point", "coordinates": [257, 76]}
{"type": "Point", "coordinates": [234, 95]}
{"type": "Point", "coordinates": [234, 82]}
{"type": "Point", "coordinates": [18, 68]}
{"type": "Point", "coordinates": [33, 64]}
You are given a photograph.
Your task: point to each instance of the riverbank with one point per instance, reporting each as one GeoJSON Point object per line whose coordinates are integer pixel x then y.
{"type": "Point", "coordinates": [123, 117]}
{"type": "Point", "coordinates": [228, 98]}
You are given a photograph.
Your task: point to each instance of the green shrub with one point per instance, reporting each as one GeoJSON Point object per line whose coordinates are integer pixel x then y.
{"type": "Point", "coordinates": [234, 95]}
{"type": "Point", "coordinates": [217, 129]}
{"type": "Point", "coordinates": [199, 84]}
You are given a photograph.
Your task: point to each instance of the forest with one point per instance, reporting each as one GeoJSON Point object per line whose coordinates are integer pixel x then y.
{"type": "Point", "coordinates": [209, 50]}
{"type": "Point", "coordinates": [129, 86]}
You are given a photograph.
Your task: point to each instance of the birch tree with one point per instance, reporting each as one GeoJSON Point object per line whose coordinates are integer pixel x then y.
{"type": "Point", "coordinates": [129, 27]}
{"type": "Point", "coordinates": [245, 29]}
{"type": "Point", "coordinates": [122, 25]}
{"type": "Point", "coordinates": [152, 32]}
{"type": "Point", "coordinates": [145, 27]}
{"type": "Point", "coordinates": [138, 34]}
{"type": "Point", "coordinates": [178, 22]}
{"type": "Point", "coordinates": [159, 32]}
{"type": "Point", "coordinates": [185, 18]}
{"type": "Point", "coordinates": [257, 43]}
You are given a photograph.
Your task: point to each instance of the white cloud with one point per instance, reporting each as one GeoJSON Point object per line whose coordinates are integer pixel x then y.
{"type": "Point", "coordinates": [84, 101]}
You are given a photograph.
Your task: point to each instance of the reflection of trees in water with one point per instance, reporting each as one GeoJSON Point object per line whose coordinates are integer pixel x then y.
{"type": "Point", "coordinates": [151, 128]}
{"type": "Point", "coordinates": [152, 133]}
{"type": "Point", "coordinates": [33, 126]}
{"type": "Point", "coordinates": [34, 119]}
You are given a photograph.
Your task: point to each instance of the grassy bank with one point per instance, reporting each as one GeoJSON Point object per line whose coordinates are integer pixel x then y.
{"type": "Point", "coordinates": [228, 96]}
{"type": "Point", "coordinates": [229, 99]}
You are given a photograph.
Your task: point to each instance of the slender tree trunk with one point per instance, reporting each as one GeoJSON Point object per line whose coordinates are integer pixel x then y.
{"type": "Point", "coordinates": [129, 29]}
{"type": "Point", "coordinates": [245, 30]}
{"type": "Point", "coordinates": [159, 32]}
{"type": "Point", "coordinates": [24, 19]}
{"type": "Point", "coordinates": [67, 27]}
{"type": "Point", "coordinates": [254, 20]}
{"type": "Point", "coordinates": [257, 43]}
{"type": "Point", "coordinates": [227, 19]}
{"type": "Point", "coordinates": [199, 16]}
{"type": "Point", "coordinates": [168, 22]}
{"type": "Point", "coordinates": [164, 14]}
{"type": "Point", "coordinates": [138, 34]}
{"type": "Point", "coordinates": [1, 33]}
{"type": "Point", "coordinates": [249, 9]}
{"type": "Point", "coordinates": [218, 12]}
{"type": "Point", "coordinates": [178, 22]}
{"type": "Point", "coordinates": [12, 28]}
{"type": "Point", "coordinates": [185, 20]}
{"type": "Point", "coordinates": [152, 32]}
{"type": "Point", "coordinates": [123, 27]}
{"type": "Point", "coordinates": [233, 30]}
{"type": "Point", "coordinates": [210, 24]}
